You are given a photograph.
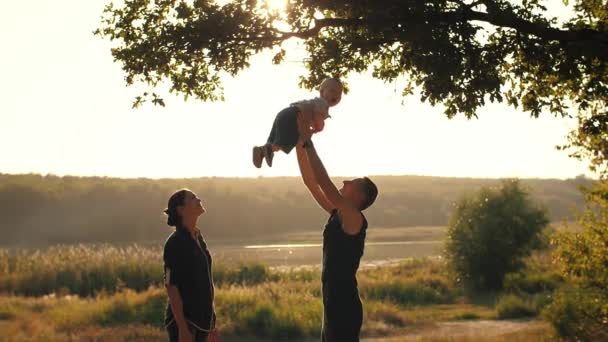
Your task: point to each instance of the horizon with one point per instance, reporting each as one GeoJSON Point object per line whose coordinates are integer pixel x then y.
{"type": "Point", "coordinates": [289, 176]}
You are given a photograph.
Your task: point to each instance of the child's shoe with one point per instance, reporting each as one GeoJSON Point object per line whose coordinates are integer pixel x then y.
{"type": "Point", "coordinates": [258, 155]}
{"type": "Point", "coordinates": [268, 154]}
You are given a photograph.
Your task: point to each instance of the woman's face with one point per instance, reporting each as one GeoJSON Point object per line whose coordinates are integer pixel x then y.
{"type": "Point", "coordinates": [192, 206]}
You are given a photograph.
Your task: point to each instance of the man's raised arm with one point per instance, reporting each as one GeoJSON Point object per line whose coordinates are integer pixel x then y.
{"type": "Point", "coordinates": [309, 180]}
{"type": "Point", "coordinates": [322, 178]}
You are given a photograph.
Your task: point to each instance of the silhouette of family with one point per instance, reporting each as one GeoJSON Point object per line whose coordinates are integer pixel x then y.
{"type": "Point", "coordinates": [190, 314]}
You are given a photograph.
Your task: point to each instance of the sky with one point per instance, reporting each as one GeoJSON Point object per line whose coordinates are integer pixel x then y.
{"type": "Point", "coordinates": [65, 110]}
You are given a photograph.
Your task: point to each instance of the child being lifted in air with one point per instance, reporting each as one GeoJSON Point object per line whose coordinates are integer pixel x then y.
{"type": "Point", "coordinates": [300, 119]}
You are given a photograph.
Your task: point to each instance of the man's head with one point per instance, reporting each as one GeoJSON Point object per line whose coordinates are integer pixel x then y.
{"type": "Point", "coordinates": [361, 192]}
{"type": "Point", "coordinates": [331, 91]}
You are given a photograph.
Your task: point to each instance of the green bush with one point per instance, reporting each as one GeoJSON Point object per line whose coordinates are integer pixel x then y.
{"type": "Point", "coordinates": [490, 233]}
{"type": "Point", "coordinates": [467, 316]}
{"type": "Point", "coordinates": [109, 310]}
{"type": "Point", "coordinates": [243, 274]}
{"type": "Point", "coordinates": [266, 321]}
{"type": "Point", "coordinates": [124, 309]}
{"type": "Point", "coordinates": [578, 314]}
{"type": "Point", "coordinates": [283, 311]}
{"type": "Point", "coordinates": [512, 306]}
{"type": "Point", "coordinates": [7, 313]}
{"type": "Point", "coordinates": [531, 282]}
{"type": "Point", "coordinates": [420, 292]}
{"type": "Point", "coordinates": [581, 258]}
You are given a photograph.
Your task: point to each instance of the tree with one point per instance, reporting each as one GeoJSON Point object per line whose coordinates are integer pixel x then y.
{"type": "Point", "coordinates": [460, 53]}
{"type": "Point", "coordinates": [580, 311]}
{"type": "Point", "coordinates": [490, 233]}
{"type": "Point", "coordinates": [589, 141]}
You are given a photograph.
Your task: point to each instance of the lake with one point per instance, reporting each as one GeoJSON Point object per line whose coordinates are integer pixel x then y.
{"type": "Point", "coordinates": [299, 249]}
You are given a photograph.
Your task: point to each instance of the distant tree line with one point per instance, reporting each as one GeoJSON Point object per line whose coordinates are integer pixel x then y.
{"type": "Point", "coordinates": [40, 210]}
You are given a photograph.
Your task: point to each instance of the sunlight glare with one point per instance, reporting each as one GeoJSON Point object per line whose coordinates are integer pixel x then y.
{"type": "Point", "coordinates": [277, 5]}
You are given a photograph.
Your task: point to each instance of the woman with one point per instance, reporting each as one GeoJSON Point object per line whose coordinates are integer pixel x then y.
{"type": "Point", "coordinates": [189, 316]}
{"type": "Point", "coordinates": [343, 243]}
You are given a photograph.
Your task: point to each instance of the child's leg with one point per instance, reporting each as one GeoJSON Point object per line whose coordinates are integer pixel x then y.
{"type": "Point", "coordinates": [261, 152]}
{"type": "Point", "coordinates": [284, 134]}
{"type": "Point", "coordinates": [266, 151]}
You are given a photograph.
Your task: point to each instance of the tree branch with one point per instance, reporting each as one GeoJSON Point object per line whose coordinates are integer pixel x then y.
{"type": "Point", "coordinates": [494, 16]}
{"type": "Point", "coordinates": [504, 19]}
{"type": "Point", "coordinates": [322, 23]}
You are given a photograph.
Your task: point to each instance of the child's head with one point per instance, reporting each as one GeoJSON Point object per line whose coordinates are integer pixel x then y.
{"type": "Point", "coordinates": [331, 91]}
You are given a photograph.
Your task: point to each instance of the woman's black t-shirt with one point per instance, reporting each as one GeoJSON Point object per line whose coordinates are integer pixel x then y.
{"type": "Point", "coordinates": [188, 267]}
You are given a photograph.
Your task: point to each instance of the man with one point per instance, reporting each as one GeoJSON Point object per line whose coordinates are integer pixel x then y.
{"type": "Point", "coordinates": [343, 243]}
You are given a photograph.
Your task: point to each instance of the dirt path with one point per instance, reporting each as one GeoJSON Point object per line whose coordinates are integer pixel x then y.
{"type": "Point", "coordinates": [483, 330]}
{"type": "Point", "coordinates": [461, 331]}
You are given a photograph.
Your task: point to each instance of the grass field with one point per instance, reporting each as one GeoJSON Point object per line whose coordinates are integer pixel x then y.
{"type": "Point", "coordinates": [113, 293]}
{"type": "Point", "coordinates": [96, 293]}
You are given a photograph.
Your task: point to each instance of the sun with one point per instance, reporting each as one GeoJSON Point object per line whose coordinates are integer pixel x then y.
{"type": "Point", "coordinates": [277, 5]}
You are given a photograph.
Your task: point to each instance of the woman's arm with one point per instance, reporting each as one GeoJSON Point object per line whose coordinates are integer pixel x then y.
{"type": "Point", "coordinates": [175, 301]}
{"type": "Point", "coordinates": [173, 275]}
{"type": "Point", "coordinates": [310, 181]}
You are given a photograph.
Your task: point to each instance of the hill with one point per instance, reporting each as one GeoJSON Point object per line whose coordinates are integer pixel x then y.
{"type": "Point", "coordinates": [40, 210]}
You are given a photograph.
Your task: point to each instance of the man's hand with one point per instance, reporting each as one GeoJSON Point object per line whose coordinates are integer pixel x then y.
{"type": "Point", "coordinates": [318, 126]}
{"type": "Point", "coordinates": [304, 129]}
{"type": "Point", "coordinates": [327, 186]}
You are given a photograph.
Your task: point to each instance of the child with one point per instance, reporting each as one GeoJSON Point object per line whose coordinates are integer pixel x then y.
{"type": "Point", "coordinates": [300, 119]}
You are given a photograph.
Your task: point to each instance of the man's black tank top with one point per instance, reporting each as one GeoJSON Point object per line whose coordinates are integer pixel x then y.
{"type": "Point", "coordinates": [341, 256]}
